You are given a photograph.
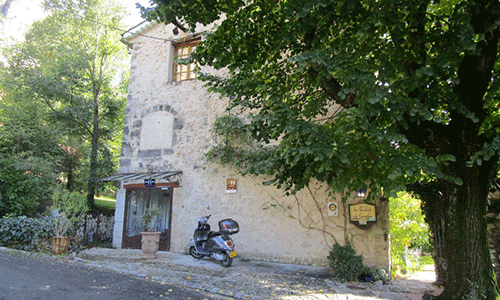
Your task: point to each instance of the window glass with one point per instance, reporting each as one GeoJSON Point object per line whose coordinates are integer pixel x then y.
{"type": "Point", "coordinates": [182, 71]}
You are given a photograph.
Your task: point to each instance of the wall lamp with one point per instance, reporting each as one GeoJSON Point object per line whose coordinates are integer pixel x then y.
{"type": "Point", "coordinates": [361, 193]}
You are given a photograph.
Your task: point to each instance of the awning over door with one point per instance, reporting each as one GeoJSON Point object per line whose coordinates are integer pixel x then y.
{"type": "Point", "coordinates": [170, 176]}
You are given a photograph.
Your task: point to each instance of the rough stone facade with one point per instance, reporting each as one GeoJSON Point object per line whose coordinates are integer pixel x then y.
{"type": "Point", "coordinates": [168, 128]}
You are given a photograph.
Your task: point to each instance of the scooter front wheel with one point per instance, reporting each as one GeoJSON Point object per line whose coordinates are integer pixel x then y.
{"type": "Point", "coordinates": [194, 253]}
{"type": "Point", "coordinates": [227, 261]}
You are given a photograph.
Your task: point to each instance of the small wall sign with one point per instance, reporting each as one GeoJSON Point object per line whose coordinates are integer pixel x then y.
{"type": "Point", "coordinates": [362, 213]}
{"type": "Point", "coordinates": [333, 209]}
{"type": "Point", "coordinates": [231, 186]}
{"type": "Point", "coordinates": [149, 182]}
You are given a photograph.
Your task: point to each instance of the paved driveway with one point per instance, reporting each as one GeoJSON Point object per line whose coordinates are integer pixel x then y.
{"type": "Point", "coordinates": [24, 276]}
{"type": "Point", "coordinates": [253, 279]}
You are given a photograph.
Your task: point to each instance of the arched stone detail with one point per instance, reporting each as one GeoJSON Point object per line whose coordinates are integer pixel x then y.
{"type": "Point", "coordinates": [159, 107]}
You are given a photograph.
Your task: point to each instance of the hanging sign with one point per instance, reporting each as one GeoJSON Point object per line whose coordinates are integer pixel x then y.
{"type": "Point", "coordinates": [333, 209]}
{"type": "Point", "coordinates": [231, 186]}
{"type": "Point", "coordinates": [362, 213]}
{"type": "Point", "coordinates": [149, 182]}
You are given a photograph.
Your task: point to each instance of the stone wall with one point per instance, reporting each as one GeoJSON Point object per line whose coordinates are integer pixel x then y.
{"type": "Point", "coordinates": [293, 229]}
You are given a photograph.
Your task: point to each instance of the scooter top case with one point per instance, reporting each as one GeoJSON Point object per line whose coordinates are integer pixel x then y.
{"type": "Point", "coordinates": [229, 226]}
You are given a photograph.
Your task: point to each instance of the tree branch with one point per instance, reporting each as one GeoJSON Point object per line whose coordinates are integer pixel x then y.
{"type": "Point", "coordinates": [176, 23]}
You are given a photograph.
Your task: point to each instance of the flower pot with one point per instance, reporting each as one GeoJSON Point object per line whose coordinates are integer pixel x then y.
{"type": "Point", "coordinates": [60, 244]}
{"type": "Point", "coordinates": [149, 243]}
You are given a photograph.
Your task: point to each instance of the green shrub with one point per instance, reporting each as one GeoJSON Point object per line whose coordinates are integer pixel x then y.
{"type": "Point", "coordinates": [24, 185]}
{"type": "Point", "coordinates": [24, 233]}
{"type": "Point", "coordinates": [349, 266]}
{"type": "Point", "coordinates": [70, 209]}
{"type": "Point", "coordinates": [344, 261]}
{"type": "Point", "coordinates": [377, 274]}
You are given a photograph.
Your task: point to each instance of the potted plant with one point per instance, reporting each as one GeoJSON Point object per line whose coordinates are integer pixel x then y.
{"type": "Point", "coordinates": [68, 209]}
{"type": "Point", "coordinates": [150, 239]}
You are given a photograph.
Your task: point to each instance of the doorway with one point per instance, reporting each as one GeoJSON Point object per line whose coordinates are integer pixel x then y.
{"type": "Point", "coordinates": [136, 201]}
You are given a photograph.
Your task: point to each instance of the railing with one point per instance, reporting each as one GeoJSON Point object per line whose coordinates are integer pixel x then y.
{"type": "Point", "coordinates": [96, 229]}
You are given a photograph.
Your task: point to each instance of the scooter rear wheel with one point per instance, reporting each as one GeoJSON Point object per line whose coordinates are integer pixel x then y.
{"type": "Point", "coordinates": [194, 253]}
{"type": "Point", "coordinates": [227, 261]}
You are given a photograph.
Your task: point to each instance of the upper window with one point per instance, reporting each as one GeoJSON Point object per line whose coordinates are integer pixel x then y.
{"type": "Point", "coordinates": [183, 71]}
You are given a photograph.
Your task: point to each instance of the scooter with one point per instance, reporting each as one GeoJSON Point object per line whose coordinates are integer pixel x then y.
{"type": "Point", "coordinates": [215, 244]}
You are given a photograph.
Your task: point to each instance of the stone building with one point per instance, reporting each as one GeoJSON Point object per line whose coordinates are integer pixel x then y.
{"type": "Point", "coordinates": [169, 115]}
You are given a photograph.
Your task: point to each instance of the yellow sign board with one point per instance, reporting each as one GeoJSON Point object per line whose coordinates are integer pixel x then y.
{"type": "Point", "coordinates": [362, 213]}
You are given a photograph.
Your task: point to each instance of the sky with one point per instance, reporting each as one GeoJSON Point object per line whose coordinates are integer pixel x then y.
{"type": "Point", "coordinates": [22, 13]}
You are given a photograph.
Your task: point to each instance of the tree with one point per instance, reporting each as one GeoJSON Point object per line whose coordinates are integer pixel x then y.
{"type": "Point", "coordinates": [71, 61]}
{"type": "Point", "coordinates": [29, 155]}
{"type": "Point", "coordinates": [390, 93]}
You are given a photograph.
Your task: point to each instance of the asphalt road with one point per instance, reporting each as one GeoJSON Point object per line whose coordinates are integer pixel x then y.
{"type": "Point", "coordinates": [40, 277]}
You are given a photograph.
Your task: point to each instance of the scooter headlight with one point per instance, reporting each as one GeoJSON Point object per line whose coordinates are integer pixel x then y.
{"type": "Point", "coordinates": [229, 243]}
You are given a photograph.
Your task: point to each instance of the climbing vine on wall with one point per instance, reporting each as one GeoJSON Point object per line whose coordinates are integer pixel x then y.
{"type": "Point", "coordinates": [235, 147]}
{"type": "Point", "coordinates": [311, 217]}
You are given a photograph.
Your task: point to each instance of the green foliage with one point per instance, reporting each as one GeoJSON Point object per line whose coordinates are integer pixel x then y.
{"type": "Point", "coordinates": [234, 146]}
{"type": "Point", "coordinates": [70, 65]}
{"type": "Point", "coordinates": [348, 92]}
{"type": "Point", "coordinates": [23, 185]}
{"type": "Point", "coordinates": [105, 203]}
{"type": "Point", "coordinates": [408, 231]}
{"type": "Point", "coordinates": [349, 266]}
{"type": "Point", "coordinates": [345, 262]}
{"type": "Point", "coordinates": [148, 217]}
{"type": "Point", "coordinates": [29, 234]}
{"type": "Point", "coordinates": [229, 128]}
{"type": "Point", "coordinates": [390, 66]}
{"type": "Point", "coordinates": [229, 134]}
{"type": "Point", "coordinates": [426, 260]}
{"type": "Point", "coordinates": [70, 209]}
{"type": "Point", "coordinates": [29, 157]}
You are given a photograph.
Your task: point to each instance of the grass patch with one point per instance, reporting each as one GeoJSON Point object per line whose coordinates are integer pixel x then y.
{"type": "Point", "coordinates": [426, 260]}
{"type": "Point", "coordinates": [107, 203]}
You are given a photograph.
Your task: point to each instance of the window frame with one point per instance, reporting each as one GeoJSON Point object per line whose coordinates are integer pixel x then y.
{"type": "Point", "coordinates": [177, 72]}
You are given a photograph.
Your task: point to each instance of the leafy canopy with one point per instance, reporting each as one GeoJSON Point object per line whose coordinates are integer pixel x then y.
{"type": "Point", "coordinates": [73, 66]}
{"type": "Point", "coordinates": [351, 92]}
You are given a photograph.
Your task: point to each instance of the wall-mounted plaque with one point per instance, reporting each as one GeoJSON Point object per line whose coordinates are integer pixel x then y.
{"type": "Point", "coordinates": [362, 213]}
{"type": "Point", "coordinates": [333, 209]}
{"type": "Point", "coordinates": [231, 186]}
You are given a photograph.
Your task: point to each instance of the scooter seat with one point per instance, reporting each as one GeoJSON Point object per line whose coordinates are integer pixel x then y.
{"type": "Point", "coordinates": [214, 234]}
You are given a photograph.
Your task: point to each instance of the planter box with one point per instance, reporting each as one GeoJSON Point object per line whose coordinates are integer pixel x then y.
{"type": "Point", "coordinates": [149, 243]}
{"type": "Point", "coordinates": [60, 244]}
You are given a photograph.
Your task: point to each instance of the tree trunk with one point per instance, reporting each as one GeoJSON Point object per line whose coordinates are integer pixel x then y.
{"type": "Point", "coordinates": [457, 219]}
{"type": "Point", "coordinates": [471, 275]}
{"type": "Point", "coordinates": [440, 264]}
{"type": "Point", "coordinates": [434, 211]}
{"type": "Point", "coordinates": [92, 181]}
{"type": "Point", "coordinates": [69, 183]}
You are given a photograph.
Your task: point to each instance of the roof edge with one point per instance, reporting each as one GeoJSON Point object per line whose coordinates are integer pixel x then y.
{"type": "Point", "coordinates": [169, 176]}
